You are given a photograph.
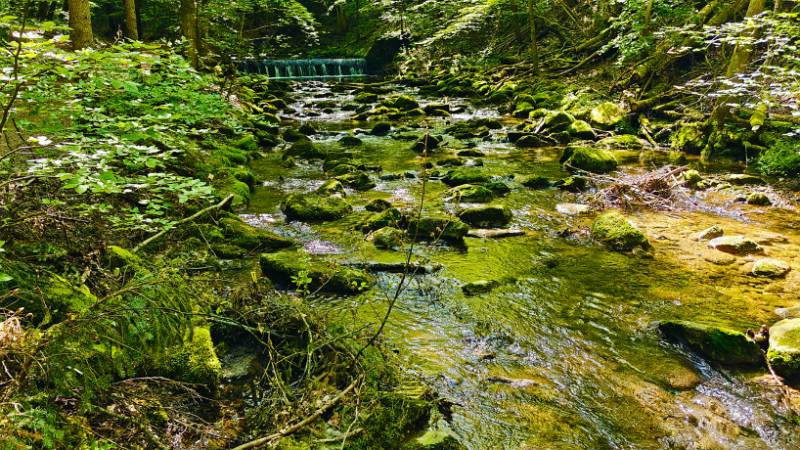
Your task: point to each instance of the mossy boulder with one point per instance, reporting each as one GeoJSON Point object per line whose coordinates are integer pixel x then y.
{"type": "Point", "coordinates": [381, 129]}
{"type": "Point", "coordinates": [606, 115]}
{"type": "Point", "coordinates": [358, 180]}
{"type": "Point", "coordinates": [350, 141]}
{"type": "Point", "coordinates": [465, 175]}
{"type": "Point", "coordinates": [387, 238]}
{"type": "Point", "coordinates": [718, 344]}
{"type": "Point", "coordinates": [490, 216]}
{"type": "Point", "coordinates": [590, 159]}
{"type": "Point", "coordinates": [743, 179]}
{"type": "Point", "coordinates": [758, 199]}
{"type": "Point", "coordinates": [770, 268]}
{"type": "Point", "coordinates": [286, 268]}
{"type": "Point", "coordinates": [689, 138]}
{"type": "Point", "coordinates": [736, 245]}
{"type": "Point", "coordinates": [558, 121]}
{"type": "Point", "coordinates": [225, 183]}
{"type": "Point", "coordinates": [498, 188]}
{"type": "Point", "coordinates": [378, 205]}
{"type": "Point", "coordinates": [390, 217]}
{"type": "Point", "coordinates": [252, 238]}
{"type": "Point", "coordinates": [536, 182]}
{"type": "Point", "coordinates": [784, 349]}
{"type": "Point", "coordinates": [613, 230]}
{"type": "Point", "coordinates": [530, 140]}
{"type": "Point", "coordinates": [581, 130]}
{"type": "Point", "coordinates": [366, 97]}
{"type": "Point", "coordinates": [313, 207]}
{"type": "Point", "coordinates": [247, 142]}
{"type": "Point", "coordinates": [331, 187]}
{"type": "Point", "coordinates": [470, 193]}
{"type": "Point", "coordinates": [622, 142]}
{"type": "Point", "coordinates": [119, 257]}
{"type": "Point", "coordinates": [435, 440]}
{"type": "Point", "coordinates": [305, 149]}
{"type": "Point", "coordinates": [572, 184]}
{"type": "Point", "coordinates": [692, 177]}
{"type": "Point", "coordinates": [479, 287]}
{"type": "Point", "coordinates": [429, 228]}
{"type": "Point", "coordinates": [194, 361]}
{"type": "Point", "coordinates": [401, 102]}
{"type": "Point", "coordinates": [427, 143]}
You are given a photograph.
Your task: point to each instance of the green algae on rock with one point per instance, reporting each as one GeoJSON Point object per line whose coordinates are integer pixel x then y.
{"type": "Point", "coordinates": [431, 228]}
{"type": "Point", "coordinates": [606, 114]}
{"type": "Point", "coordinates": [770, 268]}
{"type": "Point", "coordinates": [465, 175]}
{"type": "Point", "coordinates": [390, 217]}
{"type": "Point", "coordinates": [615, 231]}
{"type": "Point", "coordinates": [470, 193]}
{"type": "Point", "coordinates": [490, 216]}
{"type": "Point", "coordinates": [387, 238]}
{"type": "Point", "coordinates": [718, 344]}
{"type": "Point", "coordinates": [784, 348]}
{"type": "Point", "coordinates": [479, 287]}
{"type": "Point", "coordinates": [252, 238]}
{"type": "Point", "coordinates": [581, 130]}
{"type": "Point", "coordinates": [313, 207]}
{"type": "Point", "coordinates": [758, 199]}
{"type": "Point", "coordinates": [590, 159]}
{"type": "Point", "coordinates": [288, 267]}
{"type": "Point", "coordinates": [194, 361]}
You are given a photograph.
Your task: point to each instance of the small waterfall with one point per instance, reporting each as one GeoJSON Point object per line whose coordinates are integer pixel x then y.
{"type": "Point", "coordinates": [304, 68]}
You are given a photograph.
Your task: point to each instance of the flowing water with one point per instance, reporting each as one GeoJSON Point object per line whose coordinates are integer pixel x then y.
{"type": "Point", "coordinates": [305, 68]}
{"type": "Point", "coordinates": [563, 354]}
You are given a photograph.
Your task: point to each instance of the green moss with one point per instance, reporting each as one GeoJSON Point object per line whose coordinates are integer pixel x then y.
{"type": "Point", "coordinates": [616, 232]}
{"type": "Point", "coordinates": [581, 130]}
{"type": "Point", "coordinates": [387, 238]}
{"type": "Point", "coordinates": [491, 216]}
{"type": "Point", "coordinates": [590, 159]}
{"type": "Point", "coordinates": [558, 121]}
{"type": "Point", "coordinates": [470, 193]}
{"type": "Point", "coordinates": [689, 138]}
{"type": "Point", "coordinates": [390, 217]}
{"type": "Point", "coordinates": [621, 142]}
{"type": "Point", "coordinates": [330, 187]}
{"type": "Point", "coordinates": [366, 97]}
{"type": "Point", "coordinates": [226, 184]}
{"type": "Point", "coordinates": [252, 238]}
{"type": "Point", "coordinates": [536, 182]}
{"type": "Point", "coordinates": [781, 159]}
{"type": "Point", "coordinates": [285, 268]}
{"type": "Point", "coordinates": [606, 115]}
{"type": "Point", "coordinates": [437, 227]}
{"type": "Point", "coordinates": [305, 149]}
{"type": "Point", "coordinates": [313, 207]}
{"type": "Point", "coordinates": [465, 175]}
{"type": "Point", "coordinates": [784, 348]}
{"type": "Point", "coordinates": [195, 361]}
{"type": "Point", "coordinates": [247, 142]}
{"type": "Point", "coordinates": [358, 180]}
{"type": "Point", "coordinates": [718, 344]}
{"type": "Point", "coordinates": [121, 257]}
{"type": "Point", "coordinates": [401, 102]}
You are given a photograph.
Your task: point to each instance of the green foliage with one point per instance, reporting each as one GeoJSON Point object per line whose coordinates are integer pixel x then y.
{"type": "Point", "coordinates": [781, 159]}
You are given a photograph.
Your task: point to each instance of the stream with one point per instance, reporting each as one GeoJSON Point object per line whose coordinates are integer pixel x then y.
{"type": "Point", "coordinates": [564, 352]}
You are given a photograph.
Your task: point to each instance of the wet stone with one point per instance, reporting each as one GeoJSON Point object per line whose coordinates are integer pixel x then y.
{"type": "Point", "coordinates": [736, 245]}
{"type": "Point", "coordinates": [770, 268]}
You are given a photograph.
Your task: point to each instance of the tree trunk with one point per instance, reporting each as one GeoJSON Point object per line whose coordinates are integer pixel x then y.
{"type": "Point", "coordinates": [188, 13]}
{"type": "Point", "coordinates": [131, 25]}
{"type": "Point", "coordinates": [138, 5]}
{"type": "Point", "coordinates": [80, 24]}
{"type": "Point", "coordinates": [534, 49]}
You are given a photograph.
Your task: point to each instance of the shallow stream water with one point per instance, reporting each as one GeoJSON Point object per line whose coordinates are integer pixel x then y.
{"type": "Point", "coordinates": [563, 354]}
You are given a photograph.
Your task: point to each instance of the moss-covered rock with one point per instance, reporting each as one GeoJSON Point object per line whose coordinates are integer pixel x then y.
{"type": "Point", "coordinates": [614, 231]}
{"type": "Point", "coordinates": [470, 193]}
{"type": "Point", "coordinates": [387, 238]}
{"type": "Point", "coordinates": [758, 199]}
{"type": "Point", "coordinates": [431, 228]}
{"type": "Point", "coordinates": [536, 182]}
{"type": "Point", "coordinates": [390, 217]}
{"type": "Point", "coordinates": [225, 183]}
{"type": "Point", "coordinates": [498, 188]}
{"type": "Point", "coordinates": [381, 129]}
{"type": "Point", "coordinates": [378, 205]}
{"type": "Point", "coordinates": [450, 161]}
{"type": "Point", "coordinates": [313, 207]}
{"type": "Point", "coordinates": [195, 361]}
{"type": "Point", "coordinates": [689, 138]}
{"type": "Point", "coordinates": [743, 179]}
{"type": "Point", "coordinates": [119, 257]}
{"type": "Point", "coordinates": [784, 348]}
{"type": "Point", "coordinates": [252, 238]}
{"type": "Point", "coordinates": [770, 268]}
{"type": "Point", "coordinates": [590, 159]}
{"type": "Point", "coordinates": [401, 102]}
{"type": "Point", "coordinates": [366, 97]}
{"type": "Point", "coordinates": [718, 344]}
{"type": "Point", "coordinates": [530, 140]}
{"type": "Point", "coordinates": [465, 175]}
{"type": "Point", "coordinates": [581, 130]}
{"type": "Point", "coordinates": [435, 440]}
{"type": "Point", "coordinates": [331, 187]}
{"type": "Point", "coordinates": [290, 267]}
{"type": "Point", "coordinates": [491, 216]}
{"type": "Point", "coordinates": [558, 121]}
{"type": "Point", "coordinates": [692, 177]}
{"type": "Point", "coordinates": [479, 287]}
{"type": "Point", "coordinates": [606, 115]}
{"type": "Point", "coordinates": [305, 149]}
{"type": "Point", "coordinates": [350, 141]}
{"type": "Point", "coordinates": [737, 245]}
{"type": "Point", "coordinates": [357, 180]}
{"type": "Point", "coordinates": [572, 184]}
{"type": "Point", "coordinates": [622, 142]}
{"type": "Point", "coordinates": [427, 143]}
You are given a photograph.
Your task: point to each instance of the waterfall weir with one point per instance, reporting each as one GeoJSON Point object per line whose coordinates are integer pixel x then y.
{"type": "Point", "coordinates": [304, 68]}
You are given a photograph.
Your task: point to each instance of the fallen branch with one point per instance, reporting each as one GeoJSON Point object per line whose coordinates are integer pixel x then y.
{"type": "Point", "coordinates": [183, 221]}
{"type": "Point", "coordinates": [294, 428]}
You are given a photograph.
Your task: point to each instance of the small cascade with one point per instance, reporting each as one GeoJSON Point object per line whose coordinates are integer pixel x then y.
{"type": "Point", "coordinates": [304, 68]}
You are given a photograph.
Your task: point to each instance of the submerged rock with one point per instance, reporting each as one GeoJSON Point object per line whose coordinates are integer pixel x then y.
{"type": "Point", "coordinates": [493, 216]}
{"type": "Point", "coordinates": [431, 228]}
{"type": "Point", "coordinates": [289, 268]}
{"type": "Point", "coordinates": [313, 207]}
{"type": "Point", "coordinates": [470, 193]}
{"type": "Point", "coordinates": [718, 344]}
{"type": "Point", "coordinates": [770, 268]}
{"type": "Point", "coordinates": [590, 159]}
{"type": "Point", "coordinates": [606, 114]}
{"type": "Point", "coordinates": [536, 182]}
{"type": "Point", "coordinates": [479, 287]}
{"type": "Point", "coordinates": [305, 149]}
{"type": "Point", "coordinates": [742, 179]}
{"type": "Point", "coordinates": [784, 348]}
{"type": "Point", "coordinates": [736, 245]}
{"type": "Point", "coordinates": [615, 231]}
{"type": "Point", "coordinates": [387, 238]}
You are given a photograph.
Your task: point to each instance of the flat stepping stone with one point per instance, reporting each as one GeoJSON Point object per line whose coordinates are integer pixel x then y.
{"type": "Point", "coordinates": [770, 268]}
{"type": "Point", "coordinates": [735, 245]}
